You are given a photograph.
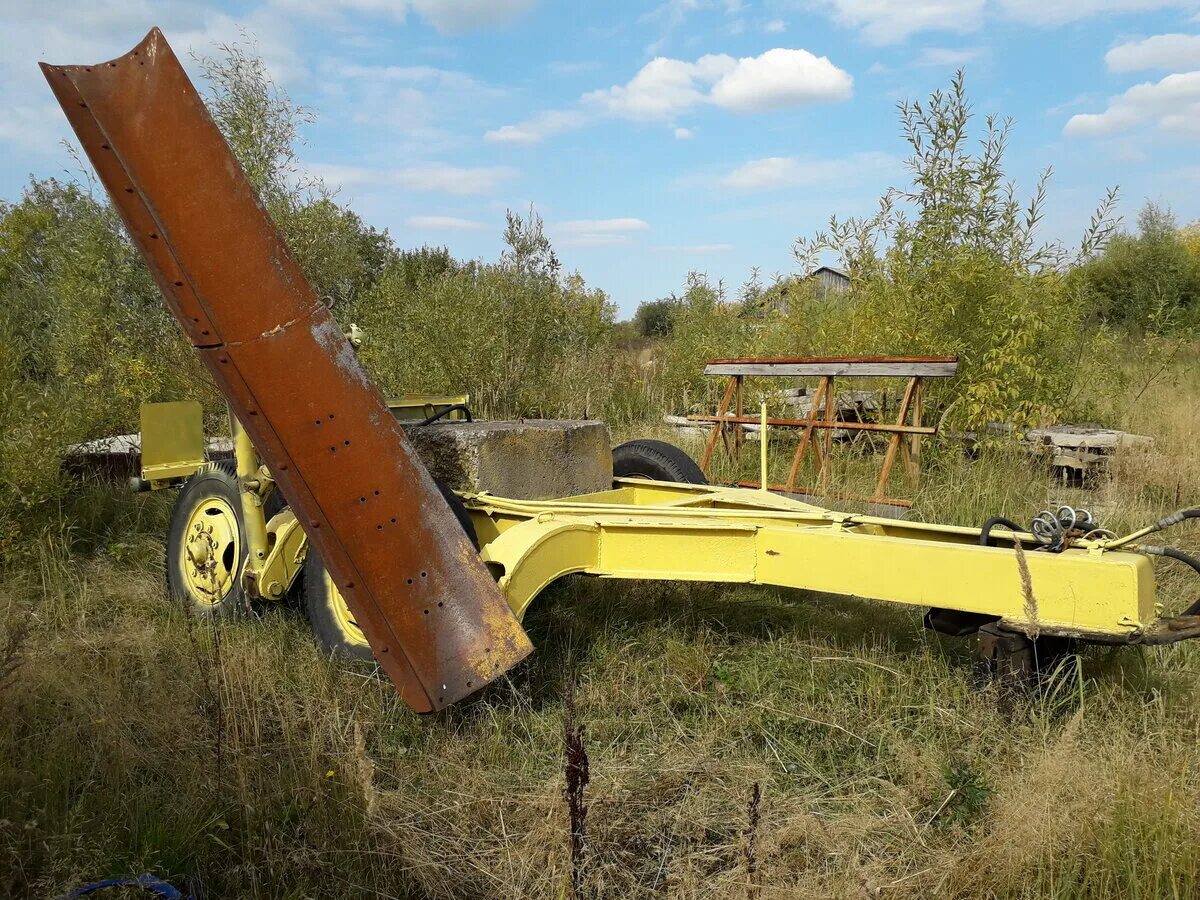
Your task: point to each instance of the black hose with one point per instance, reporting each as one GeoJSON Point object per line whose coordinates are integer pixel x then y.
{"type": "Point", "coordinates": [1187, 559]}
{"type": "Point", "coordinates": [992, 523]}
{"type": "Point", "coordinates": [1182, 557]}
{"type": "Point", "coordinates": [1176, 517]}
{"type": "Point", "coordinates": [457, 407]}
{"type": "Point", "coordinates": [1171, 552]}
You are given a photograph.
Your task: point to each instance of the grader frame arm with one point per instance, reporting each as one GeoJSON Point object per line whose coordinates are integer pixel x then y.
{"type": "Point", "coordinates": [430, 610]}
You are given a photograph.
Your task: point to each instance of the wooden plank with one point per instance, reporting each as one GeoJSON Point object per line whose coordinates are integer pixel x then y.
{"type": "Point", "coordinates": [834, 359]}
{"type": "Point", "coordinates": [827, 449]}
{"type": "Point", "coordinates": [889, 458]}
{"type": "Point", "coordinates": [912, 459]}
{"type": "Point", "coordinates": [850, 368]}
{"type": "Point", "coordinates": [810, 422]}
{"type": "Point", "coordinates": [738, 435]}
{"type": "Point", "coordinates": [835, 425]}
{"type": "Point", "coordinates": [719, 427]}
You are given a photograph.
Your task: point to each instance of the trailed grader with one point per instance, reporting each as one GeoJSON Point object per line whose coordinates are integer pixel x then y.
{"type": "Point", "coordinates": [431, 583]}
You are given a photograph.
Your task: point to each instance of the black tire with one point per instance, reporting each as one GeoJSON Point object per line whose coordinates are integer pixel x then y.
{"type": "Point", "coordinates": [205, 575]}
{"type": "Point", "coordinates": [329, 620]}
{"type": "Point", "coordinates": [656, 460]}
{"type": "Point", "coordinates": [332, 624]}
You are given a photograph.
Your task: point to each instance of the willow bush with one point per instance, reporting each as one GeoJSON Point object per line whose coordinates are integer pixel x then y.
{"type": "Point", "coordinates": [520, 336]}
{"type": "Point", "coordinates": [952, 264]}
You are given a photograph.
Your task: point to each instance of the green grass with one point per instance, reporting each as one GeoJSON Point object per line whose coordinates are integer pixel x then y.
{"type": "Point", "coordinates": [242, 763]}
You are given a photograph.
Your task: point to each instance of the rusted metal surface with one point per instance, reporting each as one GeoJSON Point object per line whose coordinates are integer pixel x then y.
{"type": "Point", "coordinates": [817, 430]}
{"type": "Point", "coordinates": [825, 424]}
{"type": "Point", "coordinates": [859, 366]}
{"type": "Point", "coordinates": [433, 615]}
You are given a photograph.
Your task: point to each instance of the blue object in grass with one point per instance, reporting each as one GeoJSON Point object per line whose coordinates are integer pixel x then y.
{"type": "Point", "coordinates": [148, 883]}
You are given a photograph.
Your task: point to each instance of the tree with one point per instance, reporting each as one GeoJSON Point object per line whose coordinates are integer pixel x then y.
{"type": "Point", "coordinates": [656, 318]}
{"type": "Point", "coordinates": [952, 264]}
{"type": "Point", "coordinates": [1149, 280]}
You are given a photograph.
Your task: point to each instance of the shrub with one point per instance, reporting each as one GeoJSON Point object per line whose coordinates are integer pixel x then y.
{"type": "Point", "coordinates": [952, 265]}
{"type": "Point", "coordinates": [1149, 281]}
{"type": "Point", "coordinates": [521, 337]}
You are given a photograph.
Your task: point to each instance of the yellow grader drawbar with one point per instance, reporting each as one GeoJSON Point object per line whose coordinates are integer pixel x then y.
{"type": "Point", "coordinates": [431, 584]}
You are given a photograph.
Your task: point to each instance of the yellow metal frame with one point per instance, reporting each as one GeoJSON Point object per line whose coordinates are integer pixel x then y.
{"type": "Point", "coordinates": [666, 531]}
{"type": "Point", "coordinates": [172, 441]}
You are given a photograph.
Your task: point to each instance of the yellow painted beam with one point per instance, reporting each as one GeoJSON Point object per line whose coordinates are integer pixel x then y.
{"type": "Point", "coordinates": [1107, 595]}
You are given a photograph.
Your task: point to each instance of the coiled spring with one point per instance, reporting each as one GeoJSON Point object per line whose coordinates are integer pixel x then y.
{"type": "Point", "coordinates": [1054, 529]}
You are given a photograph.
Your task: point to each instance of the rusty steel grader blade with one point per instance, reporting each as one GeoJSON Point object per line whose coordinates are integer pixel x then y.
{"type": "Point", "coordinates": [431, 612]}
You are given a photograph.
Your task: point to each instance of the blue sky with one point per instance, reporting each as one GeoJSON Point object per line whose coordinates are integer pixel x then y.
{"type": "Point", "coordinates": [656, 139]}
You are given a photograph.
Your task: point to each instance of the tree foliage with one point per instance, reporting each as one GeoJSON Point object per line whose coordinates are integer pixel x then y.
{"type": "Point", "coordinates": [1149, 280]}
{"type": "Point", "coordinates": [519, 335]}
{"type": "Point", "coordinates": [952, 264]}
{"type": "Point", "coordinates": [656, 318]}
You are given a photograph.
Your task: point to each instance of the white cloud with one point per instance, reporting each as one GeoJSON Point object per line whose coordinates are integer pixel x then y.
{"type": "Point", "coordinates": [1074, 103]}
{"type": "Point", "coordinates": [394, 9]}
{"type": "Point", "coordinates": [1173, 52]}
{"type": "Point", "coordinates": [1060, 12]}
{"type": "Point", "coordinates": [35, 127]}
{"type": "Point", "coordinates": [662, 88]}
{"type": "Point", "coordinates": [597, 232]}
{"type": "Point", "coordinates": [1171, 105]}
{"type": "Point", "coordinates": [606, 226]}
{"type": "Point", "coordinates": [443, 223]}
{"type": "Point", "coordinates": [665, 88]}
{"type": "Point", "coordinates": [447, 16]}
{"type": "Point", "coordinates": [775, 26]}
{"type": "Point", "coordinates": [790, 171]}
{"type": "Point", "coordinates": [684, 134]}
{"type": "Point", "coordinates": [447, 79]}
{"type": "Point", "coordinates": [433, 177]}
{"type": "Point", "coordinates": [452, 16]}
{"type": "Point", "coordinates": [892, 21]}
{"type": "Point", "coordinates": [781, 78]}
{"type": "Point", "coordinates": [419, 107]}
{"type": "Point", "coordinates": [87, 31]}
{"type": "Point", "coordinates": [538, 128]}
{"type": "Point", "coordinates": [84, 31]}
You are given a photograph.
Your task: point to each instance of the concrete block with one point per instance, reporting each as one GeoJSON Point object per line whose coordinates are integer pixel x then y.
{"type": "Point", "coordinates": [536, 459]}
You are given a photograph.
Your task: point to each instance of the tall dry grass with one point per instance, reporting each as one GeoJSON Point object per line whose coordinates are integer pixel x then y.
{"type": "Point", "coordinates": [243, 764]}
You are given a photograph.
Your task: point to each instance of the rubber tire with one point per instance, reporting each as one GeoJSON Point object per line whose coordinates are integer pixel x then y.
{"type": "Point", "coordinates": [318, 604]}
{"type": "Point", "coordinates": [656, 460]}
{"type": "Point", "coordinates": [214, 479]}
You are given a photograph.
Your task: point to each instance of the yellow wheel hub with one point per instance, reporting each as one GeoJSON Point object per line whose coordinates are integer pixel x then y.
{"type": "Point", "coordinates": [212, 550]}
{"type": "Point", "coordinates": [342, 615]}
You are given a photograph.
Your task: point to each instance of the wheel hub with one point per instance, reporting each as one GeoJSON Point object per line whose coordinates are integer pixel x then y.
{"type": "Point", "coordinates": [342, 614]}
{"type": "Point", "coordinates": [212, 550]}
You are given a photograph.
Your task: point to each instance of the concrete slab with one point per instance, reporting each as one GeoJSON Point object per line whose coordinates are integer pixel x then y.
{"type": "Point", "coordinates": [534, 459]}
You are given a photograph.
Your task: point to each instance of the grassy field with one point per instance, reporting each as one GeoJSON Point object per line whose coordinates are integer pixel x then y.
{"type": "Point", "coordinates": [239, 762]}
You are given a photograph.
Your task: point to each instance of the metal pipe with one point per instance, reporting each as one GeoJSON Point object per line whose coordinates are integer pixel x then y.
{"type": "Point", "coordinates": [253, 519]}
{"type": "Point", "coordinates": [762, 450]}
{"type": "Point", "coordinates": [1173, 519]}
{"type": "Point", "coordinates": [835, 424]}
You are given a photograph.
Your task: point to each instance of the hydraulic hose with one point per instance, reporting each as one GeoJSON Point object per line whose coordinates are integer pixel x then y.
{"type": "Point", "coordinates": [1173, 519]}
{"type": "Point", "coordinates": [457, 407]}
{"type": "Point", "coordinates": [991, 523]}
{"type": "Point", "coordinates": [1172, 553]}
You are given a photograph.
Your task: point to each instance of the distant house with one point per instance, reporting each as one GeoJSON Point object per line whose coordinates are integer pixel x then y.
{"type": "Point", "coordinates": [831, 280]}
{"type": "Point", "coordinates": [827, 280]}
